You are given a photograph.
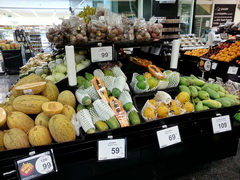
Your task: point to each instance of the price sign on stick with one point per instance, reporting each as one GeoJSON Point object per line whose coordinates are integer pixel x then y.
{"type": "Point", "coordinates": [100, 54]}
{"type": "Point", "coordinates": [36, 166]}
{"type": "Point", "coordinates": [111, 149]}
{"type": "Point", "coordinates": [168, 136]}
{"type": "Point", "coordinates": [221, 124]}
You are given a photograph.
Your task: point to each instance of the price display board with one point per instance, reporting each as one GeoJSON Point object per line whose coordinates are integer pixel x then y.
{"type": "Point", "coordinates": [101, 54]}
{"type": "Point", "coordinates": [221, 124]}
{"type": "Point", "coordinates": [112, 149]}
{"type": "Point", "coordinates": [145, 49]}
{"type": "Point", "coordinates": [214, 65]}
{"type": "Point", "coordinates": [168, 136]}
{"type": "Point", "coordinates": [155, 50]}
{"type": "Point", "coordinates": [232, 70]}
{"type": "Point", "coordinates": [36, 166]}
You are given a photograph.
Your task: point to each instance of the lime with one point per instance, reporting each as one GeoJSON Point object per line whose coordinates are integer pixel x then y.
{"type": "Point", "coordinates": [141, 85]}
{"type": "Point", "coordinates": [140, 78]}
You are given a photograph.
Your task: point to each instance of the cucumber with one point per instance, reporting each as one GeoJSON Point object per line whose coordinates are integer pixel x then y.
{"type": "Point", "coordinates": [113, 123]}
{"type": "Point", "coordinates": [134, 118]}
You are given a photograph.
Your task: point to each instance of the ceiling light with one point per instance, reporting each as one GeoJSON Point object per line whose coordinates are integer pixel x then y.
{"type": "Point", "coordinates": [34, 12]}
{"type": "Point", "coordinates": [13, 12]}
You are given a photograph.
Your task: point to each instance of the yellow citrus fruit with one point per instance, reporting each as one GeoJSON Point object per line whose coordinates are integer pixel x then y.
{"type": "Point", "coordinates": [188, 106]}
{"type": "Point", "coordinates": [153, 102]}
{"type": "Point", "coordinates": [162, 111]}
{"type": "Point", "coordinates": [147, 75]}
{"type": "Point", "coordinates": [183, 97]}
{"type": "Point", "coordinates": [176, 110]}
{"type": "Point", "coordinates": [149, 112]}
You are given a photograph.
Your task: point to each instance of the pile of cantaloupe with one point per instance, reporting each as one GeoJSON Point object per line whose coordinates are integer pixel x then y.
{"type": "Point", "coordinates": [35, 114]}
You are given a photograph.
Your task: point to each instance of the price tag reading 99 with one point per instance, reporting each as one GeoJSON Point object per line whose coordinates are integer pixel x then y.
{"type": "Point", "coordinates": [111, 149]}
{"type": "Point", "coordinates": [36, 165]}
{"type": "Point", "coordinates": [168, 136]}
{"type": "Point", "coordinates": [221, 124]}
{"type": "Point", "coordinates": [100, 54]}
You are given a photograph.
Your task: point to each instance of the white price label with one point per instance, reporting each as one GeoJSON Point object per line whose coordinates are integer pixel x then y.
{"type": "Point", "coordinates": [145, 49]}
{"type": "Point", "coordinates": [207, 65]}
{"type": "Point", "coordinates": [232, 70]}
{"type": "Point", "coordinates": [99, 54]}
{"type": "Point", "coordinates": [44, 164]}
{"type": "Point", "coordinates": [214, 65]}
{"type": "Point", "coordinates": [36, 165]}
{"type": "Point", "coordinates": [168, 136]}
{"type": "Point", "coordinates": [155, 50]}
{"type": "Point", "coordinates": [28, 92]}
{"type": "Point", "coordinates": [111, 149]}
{"type": "Point", "coordinates": [221, 124]}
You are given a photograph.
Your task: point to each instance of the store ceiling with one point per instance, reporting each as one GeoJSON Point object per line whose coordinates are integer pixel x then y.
{"type": "Point", "coordinates": [35, 8]}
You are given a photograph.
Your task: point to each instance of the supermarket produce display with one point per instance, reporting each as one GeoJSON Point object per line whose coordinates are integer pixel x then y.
{"type": "Point", "coordinates": [133, 100]}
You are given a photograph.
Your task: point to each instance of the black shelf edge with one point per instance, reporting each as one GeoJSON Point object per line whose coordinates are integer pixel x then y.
{"type": "Point", "coordinates": [122, 44]}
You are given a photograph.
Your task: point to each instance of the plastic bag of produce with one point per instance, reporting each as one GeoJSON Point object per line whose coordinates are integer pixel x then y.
{"type": "Point", "coordinates": [128, 30]}
{"type": "Point", "coordinates": [140, 30]}
{"type": "Point", "coordinates": [102, 10]}
{"type": "Point", "coordinates": [154, 29]}
{"type": "Point", "coordinates": [97, 30]}
{"type": "Point", "coordinates": [78, 33]}
{"type": "Point", "coordinates": [115, 27]}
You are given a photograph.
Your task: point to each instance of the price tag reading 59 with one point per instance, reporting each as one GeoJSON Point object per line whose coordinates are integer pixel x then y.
{"type": "Point", "coordinates": [100, 54]}
{"type": "Point", "coordinates": [168, 136]}
{"type": "Point", "coordinates": [111, 149]}
{"type": "Point", "coordinates": [221, 124]}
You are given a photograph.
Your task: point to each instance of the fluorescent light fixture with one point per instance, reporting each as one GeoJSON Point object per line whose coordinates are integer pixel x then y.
{"type": "Point", "coordinates": [13, 13]}
{"type": "Point", "coordinates": [34, 12]}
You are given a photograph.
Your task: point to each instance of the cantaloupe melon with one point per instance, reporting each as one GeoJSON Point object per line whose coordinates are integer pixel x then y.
{"type": "Point", "coordinates": [3, 117]}
{"type": "Point", "coordinates": [29, 104]}
{"type": "Point", "coordinates": [39, 135]}
{"type": "Point", "coordinates": [51, 91]}
{"type": "Point", "coordinates": [67, 97]}
{"type": "Point", "coordinates": [31, 88]}
{"type": "Point", "coordinates": [15, 139]}
{"type": "Point", "coordinates": [61, 128]}
{"type": "Point", "coordinates": [52, 107]}
{"type": "Point", "coordinates": [20, 120]}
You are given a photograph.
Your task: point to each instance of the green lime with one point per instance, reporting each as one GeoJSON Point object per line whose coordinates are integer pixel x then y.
{"type": "Point", "coordinates": [141, 85]}
{"type": "Point", "coordinates": [140, 78]}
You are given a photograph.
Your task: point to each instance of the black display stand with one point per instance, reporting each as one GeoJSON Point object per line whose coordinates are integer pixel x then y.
{"type": "Point", "coordinates": [145, 160]}
{"type": "Point", "coordinates": [12, 61]}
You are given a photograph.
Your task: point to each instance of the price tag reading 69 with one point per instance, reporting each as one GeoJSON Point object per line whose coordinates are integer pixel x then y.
{"type": "Point", "coordinates": [100, 54]}
{"type": "Point", "coordinates": [111, 149]}
{"type": "Point", "coordinates": [168, 136]}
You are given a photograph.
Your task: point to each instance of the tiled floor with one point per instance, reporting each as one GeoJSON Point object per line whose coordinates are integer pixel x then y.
{"type": "Point", "coordinates": [225, 169]}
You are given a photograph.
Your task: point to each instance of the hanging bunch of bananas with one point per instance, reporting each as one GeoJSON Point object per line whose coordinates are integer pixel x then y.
{"type": "Point", "coordinates": [86, 12]}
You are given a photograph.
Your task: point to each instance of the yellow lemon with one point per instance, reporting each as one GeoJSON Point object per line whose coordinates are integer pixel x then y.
{"type": "Point", "coordinates": [183, 97]}
{"type": "Point", "coordinates": [188, 106]}
{"type": "Point", "coordinates": [153, 102]}
{"type": "Point", "coordinates": [162, 111]}
{"type": "Point", "coordinates": [149, 112]}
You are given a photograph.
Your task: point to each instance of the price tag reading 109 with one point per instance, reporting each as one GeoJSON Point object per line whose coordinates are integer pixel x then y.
{"type": "Point", "coordinates": [100, 54]}
{"type": "Point", "coordinates": [221, 124]}
{"type": "Point", "coordinates": [111, 149]}
{"type": "Point", "coordinates": [168, 136]}
{"type": "Point", "coordinates": [36, 165]}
